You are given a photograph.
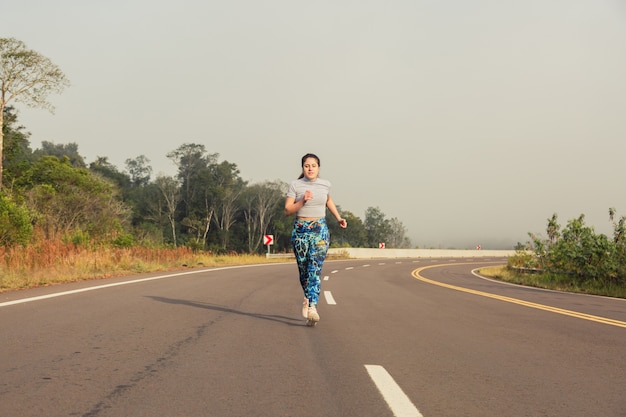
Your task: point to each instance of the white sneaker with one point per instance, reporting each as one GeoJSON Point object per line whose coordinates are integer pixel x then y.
{"type": "Point", "coordinates": [305, 307]}
{"type": "Point", "coordinates": [312, 317]}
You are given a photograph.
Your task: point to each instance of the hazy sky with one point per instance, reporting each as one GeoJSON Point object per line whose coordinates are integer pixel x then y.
{"type": "Point", "coordinates": [472, 122]}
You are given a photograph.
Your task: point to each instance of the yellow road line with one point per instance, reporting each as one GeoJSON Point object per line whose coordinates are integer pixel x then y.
{"type": "Point", "coordinates": [598, 319]}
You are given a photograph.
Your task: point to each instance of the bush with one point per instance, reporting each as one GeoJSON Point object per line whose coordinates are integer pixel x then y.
{"type": "Point", "coordinates": [578, 253]}
{"type": "Point", "coordinates": [124, 241]}
{"type": "Point", "coordinates": [15, 223]}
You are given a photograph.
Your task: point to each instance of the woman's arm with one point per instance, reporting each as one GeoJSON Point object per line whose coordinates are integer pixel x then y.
{"type": "Point", "coordinates": [292, 206]}
{"type": "Point", "coordinates": [333, 209]}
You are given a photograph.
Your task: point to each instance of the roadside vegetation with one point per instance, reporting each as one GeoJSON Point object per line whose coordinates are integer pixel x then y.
{"type": "Point", "coordinates": [65, 219]}
{"type": "Point", "coordinates": [49, 263]}
{"type": "Point", "coordinates": [574, 259]}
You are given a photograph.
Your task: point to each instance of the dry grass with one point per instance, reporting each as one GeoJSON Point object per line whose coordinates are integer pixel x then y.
{"type": "Point", "coordinates": [496, 272]}
{"type": "Point", "coordinates": [53, 262]}
{"type": "Point", "coordinates": [552, 282]}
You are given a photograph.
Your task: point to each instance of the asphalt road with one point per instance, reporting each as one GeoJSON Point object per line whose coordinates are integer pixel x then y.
{"type": "Point", "coordinates": [422, 337]}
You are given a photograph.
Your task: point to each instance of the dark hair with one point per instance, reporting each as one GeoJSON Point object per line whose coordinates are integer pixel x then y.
{"type": "Point", "coordinates": [307, 156]}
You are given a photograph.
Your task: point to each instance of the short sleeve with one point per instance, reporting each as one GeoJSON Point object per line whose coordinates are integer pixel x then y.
{"type": "Point", "coordinates": [291, 191]}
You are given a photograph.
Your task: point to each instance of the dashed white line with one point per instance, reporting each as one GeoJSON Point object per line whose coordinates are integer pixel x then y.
{"type": "Point", "coordinates": [326, 278]}
{"type": "Point", "coordinates": [329, 298]}
{"type": "Point", "coordinates": [397, 400]}
{"type": "Point", "coordinates": [350, 267]}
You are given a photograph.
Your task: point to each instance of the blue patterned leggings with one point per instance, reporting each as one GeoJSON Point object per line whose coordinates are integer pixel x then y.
{"type": "Point", "coordinates": [310, 239]}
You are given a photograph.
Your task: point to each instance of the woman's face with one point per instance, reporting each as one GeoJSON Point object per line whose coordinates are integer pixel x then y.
{"type": "Point", "coordinates": [310, 169]}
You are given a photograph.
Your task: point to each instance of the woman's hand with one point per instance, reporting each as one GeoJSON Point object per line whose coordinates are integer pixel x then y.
{"type": "Point", "coordinates": [343, 223]}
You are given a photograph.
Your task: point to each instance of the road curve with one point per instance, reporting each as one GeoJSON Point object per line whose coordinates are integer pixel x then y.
{"type": "Point", "coordinates": [410, 337]}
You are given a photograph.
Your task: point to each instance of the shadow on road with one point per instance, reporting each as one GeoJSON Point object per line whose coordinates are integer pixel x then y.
{"type": "Point", "coordinates": [290, 321]}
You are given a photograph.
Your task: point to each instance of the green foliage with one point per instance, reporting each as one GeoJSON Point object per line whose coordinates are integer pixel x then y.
{"type": "Point", "coordinates": [27, 77]}
{"type": "Point", "coordinates": [380, 229]}
{"type": "Point", "coordinates": [354, 236]}
{"type": "Point", "coordinates": [105, 169]}
{"type": "Point", "coordinates": [578, 253]}
{"type": "Point", "coordinates": [261, 205]}
{"type": "Point", "coordinates": [67, 200]}
{"type": "Point", "coordinates": [126, 240]}
{"type": "Point", "coordinates": [376, 226]}
{"type": "Point", "coordinates": [15, 223]}
{"type": "Point", "coordinates": [62, 151]}
{"type": "Point", "coordinates": [78, 238]}
{"type": "Point", "coordinates": [524, 259]}
{"type": "Point", "coordinates": [206, 206]}
{"type": "Point", "coordinates": [17, 154]}
{"type": "Point", "coordinates": [139, 170]}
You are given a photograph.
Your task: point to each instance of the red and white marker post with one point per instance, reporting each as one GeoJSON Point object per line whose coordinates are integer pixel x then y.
{"type": "Point", "coordinates": [268, 240]}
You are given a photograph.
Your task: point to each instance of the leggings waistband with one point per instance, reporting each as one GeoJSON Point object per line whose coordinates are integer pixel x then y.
{"type": "Point", "coordinates": [309, 225]}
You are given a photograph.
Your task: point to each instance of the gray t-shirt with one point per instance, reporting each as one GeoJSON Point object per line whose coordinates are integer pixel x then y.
{"type": "Point", "coordinates": [316, 207]}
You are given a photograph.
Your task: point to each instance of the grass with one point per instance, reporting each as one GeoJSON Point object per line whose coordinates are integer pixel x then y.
{"type": "Point", "coordinates": [49, 263]}
{"type": "Point", "coordinates": [53, 262]}
{"type": "Point", "coordinates": [553, 282]}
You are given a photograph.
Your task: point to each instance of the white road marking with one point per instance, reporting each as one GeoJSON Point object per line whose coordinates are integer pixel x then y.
{"type": "Point", "coordinates": [326, 278]}
{"type": "Point", "coordinates": [117, 284]}
{"type": "Point", "coordinates": [365, 266]}
{"type": "Point", "coordinates": [398, 402]}
{"type": "Point", "coordinates": [334, 272]}
{"type": "Point", "coordinates": [329, 298]}
{"type": "Point", "coordinates": [350, 267]}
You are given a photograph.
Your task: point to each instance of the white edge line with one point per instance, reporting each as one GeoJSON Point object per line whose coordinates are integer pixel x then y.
{"type": "Point", "coordinates": [397, 400]}
{"type": "Point", "coordinates": [477, 275]}
{"type": "Point", "coordinates": [117, 284]}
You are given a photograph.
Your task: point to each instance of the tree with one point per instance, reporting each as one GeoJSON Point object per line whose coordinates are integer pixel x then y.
{"type": "Point", "coordinates": [17, 154]}
{"type": "Point", "coordinates": [260, 202]}
{"type": "Point", "coordinates": [192, 162]}
{"type": "Point", "coordinates": [69, 201]}
{"type": "Point", "coordinates": [227, 187]}
{"type": "Point", "coordinates": [104, 168]}
{"type": "Point", "coordinates": [376, 226]}
{"type": "Point", "coordinates": [553, 229]}
{"type": "Point", "coordinates": [15, 223]}
{"type": "Point", "coordinates": [196, 178]}
{"type": "Point", "coordinates": [397, 237]}
{"type": "Point", "coordinates": [282, 227]}
{"type": "Point", "coordinates": [62, 150]}
{"type": "Point", "coordinates": [170, 191]}
{"type": "Point", "coordinates": [28, 77]}
{"type": "Point", "coordinates": [353, 236]}
{"type": "Point", "coordinates": [139, 170]}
